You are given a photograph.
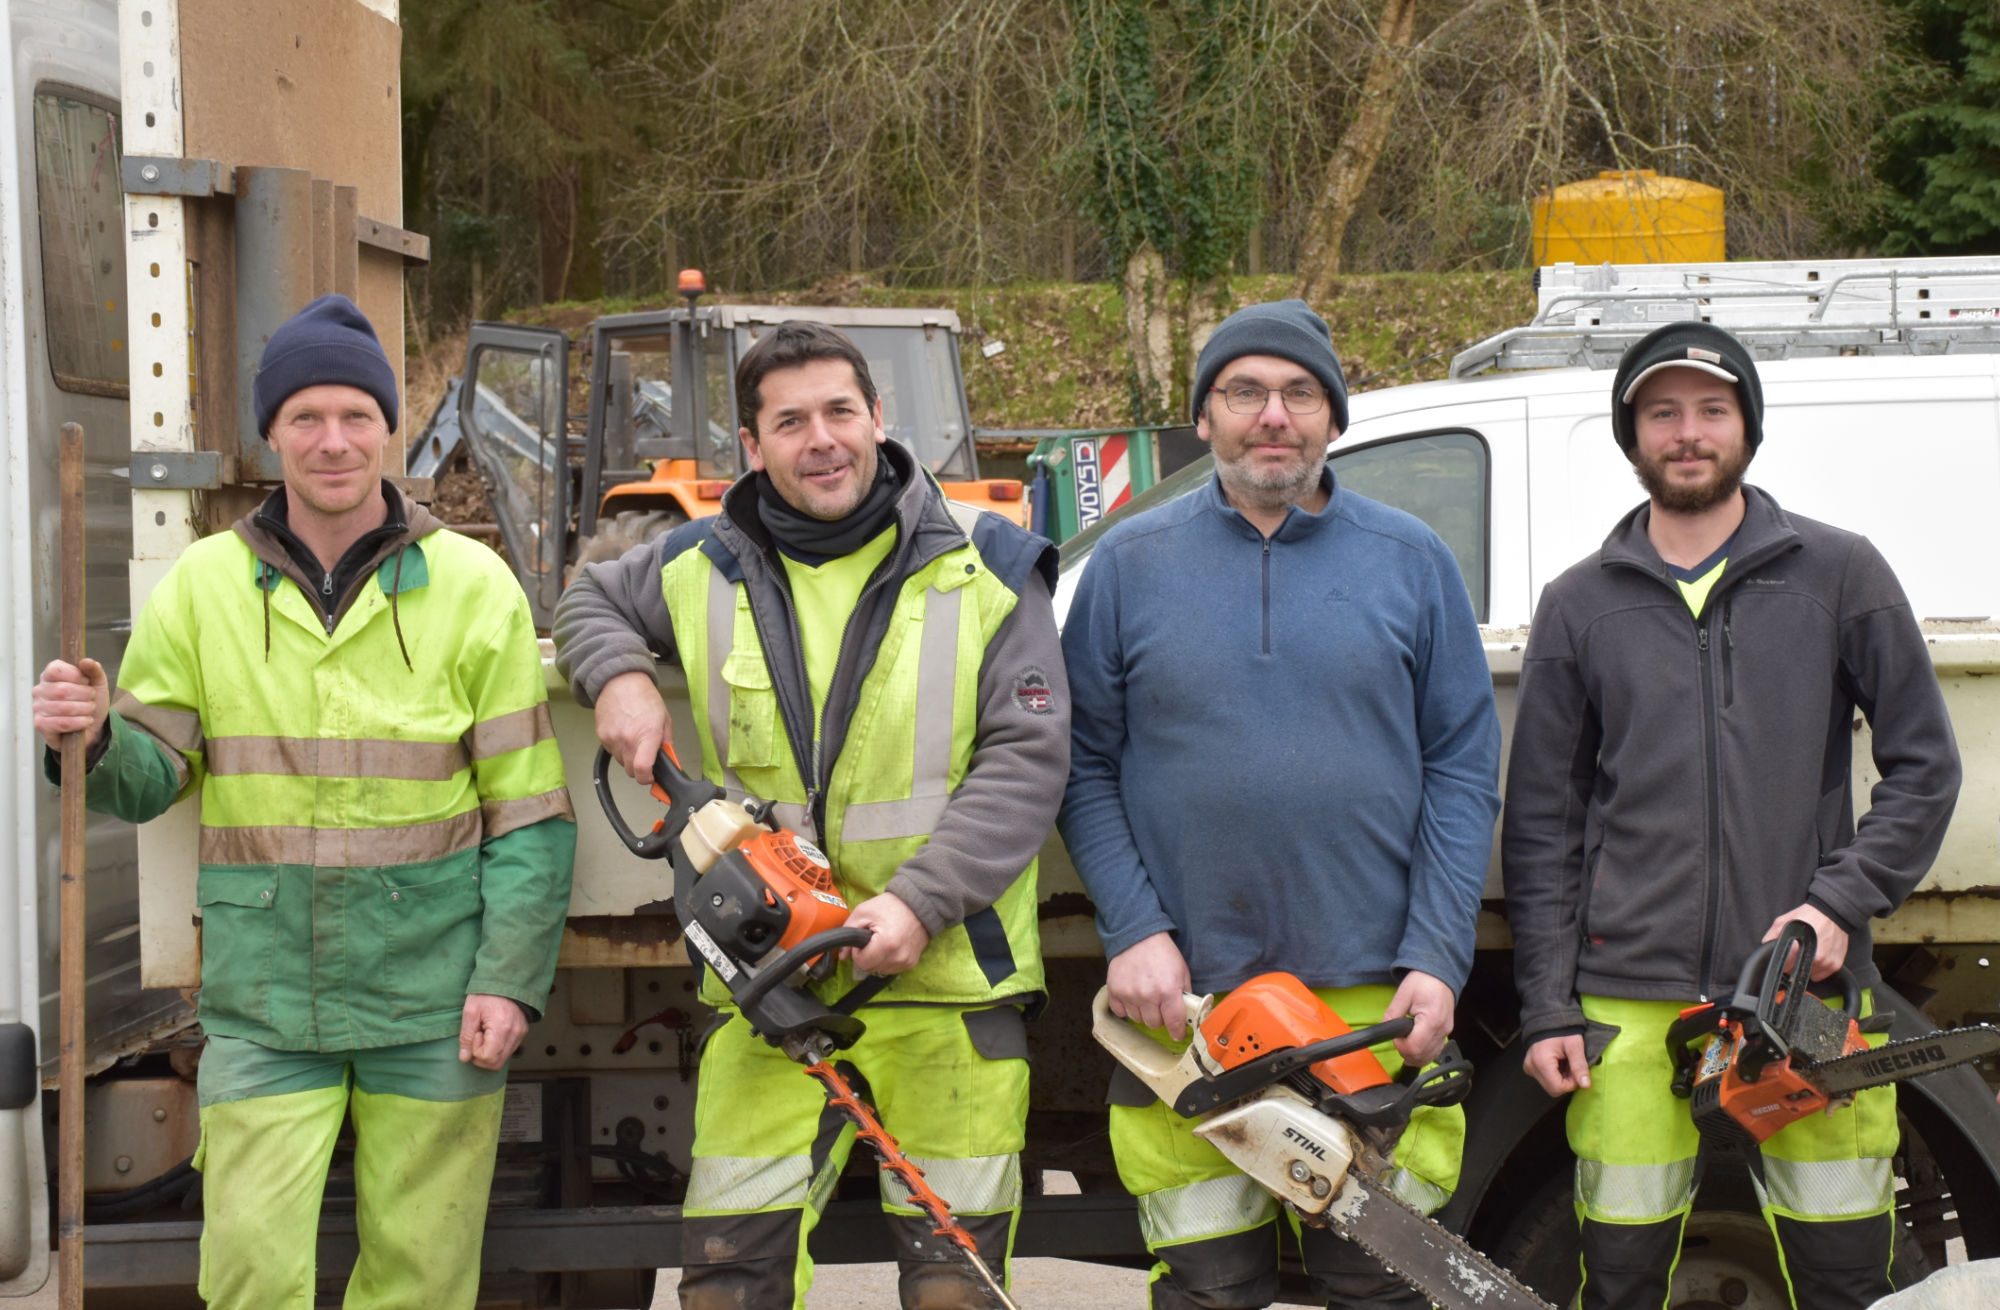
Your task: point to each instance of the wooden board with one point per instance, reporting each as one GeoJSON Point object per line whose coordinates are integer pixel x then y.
{"type": "Point", "coordinates": [312, 84]}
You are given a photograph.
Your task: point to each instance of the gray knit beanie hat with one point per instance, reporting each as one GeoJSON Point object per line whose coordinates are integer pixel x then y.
{"type": "Point", "coordinates": [1287, 329]}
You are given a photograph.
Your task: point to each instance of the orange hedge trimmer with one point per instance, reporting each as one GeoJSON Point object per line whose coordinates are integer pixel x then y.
{"type": "Point", "coordinates": [760, 906]}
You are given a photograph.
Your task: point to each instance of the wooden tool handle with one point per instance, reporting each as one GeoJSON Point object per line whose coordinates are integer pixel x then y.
{"type": "Point", "coordinates": [69, 1225]}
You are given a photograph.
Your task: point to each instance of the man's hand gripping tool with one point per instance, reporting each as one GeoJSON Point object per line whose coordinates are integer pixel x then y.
{"type": "Point", "coordinates": [760, 906]}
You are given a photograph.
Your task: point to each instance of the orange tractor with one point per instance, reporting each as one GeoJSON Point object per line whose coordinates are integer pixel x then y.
{"type": "Point", "coordinates": [658, 445]}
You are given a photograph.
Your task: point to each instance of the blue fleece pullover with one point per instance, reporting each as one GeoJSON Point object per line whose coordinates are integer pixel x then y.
{"type": "Point", "coordinates": [1285, 752]}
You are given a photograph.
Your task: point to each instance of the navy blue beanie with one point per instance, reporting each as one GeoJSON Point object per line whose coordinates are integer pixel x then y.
{"type": "Point", "coordinates": [329, 341]}
{"type": "Point", "coordinates": [1287, 329]}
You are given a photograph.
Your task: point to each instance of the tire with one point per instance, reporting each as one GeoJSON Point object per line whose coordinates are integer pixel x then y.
{"type": "Point", "coordinates": [629, 528]}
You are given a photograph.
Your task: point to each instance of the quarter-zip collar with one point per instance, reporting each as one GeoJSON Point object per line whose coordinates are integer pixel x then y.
{"type": "Point", "coordinates": [1297, 525]}
{"type": "Point", "coordinates": [925, 530]}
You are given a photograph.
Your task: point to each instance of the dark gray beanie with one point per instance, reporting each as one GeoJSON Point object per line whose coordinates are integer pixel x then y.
{"type": "Point", "coordinates": [329, 341]}
{"type": "Point", "coordinates": [1286, 328]}
{"type": "Point", "coordinates": [1688, 344]}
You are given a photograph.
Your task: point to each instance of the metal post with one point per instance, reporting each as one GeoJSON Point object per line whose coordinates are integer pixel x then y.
{"type": "Point", "coordinates": [274, 280]}
{"type": "Point", "coordinates": [69, 1187]}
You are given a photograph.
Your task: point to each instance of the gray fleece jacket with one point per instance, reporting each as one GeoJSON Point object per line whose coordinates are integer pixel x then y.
{"type": "Point", "coordinates": [613, 619]}
{"type": "Point", "coordinates": [1677, 783]}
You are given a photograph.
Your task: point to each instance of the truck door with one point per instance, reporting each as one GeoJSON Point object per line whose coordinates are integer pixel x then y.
{"type": "Point", "coordinates": [1462, 469]}
{"type": "Point", "coordinates": [513, 409]}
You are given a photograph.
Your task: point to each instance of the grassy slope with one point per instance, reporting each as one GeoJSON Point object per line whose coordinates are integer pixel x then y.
{"type": "Point", "coordinates": [1065, 359]}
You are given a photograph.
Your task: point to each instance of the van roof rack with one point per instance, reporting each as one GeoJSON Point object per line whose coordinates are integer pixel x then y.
{"type": "Point", "coordinates": [1790, 309]}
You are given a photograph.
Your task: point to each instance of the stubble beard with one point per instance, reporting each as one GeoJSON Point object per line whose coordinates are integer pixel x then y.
{"type": "Point", "coordinates": [1692, 498]}
{"type": "Point", "coordinates": [1272, 487]}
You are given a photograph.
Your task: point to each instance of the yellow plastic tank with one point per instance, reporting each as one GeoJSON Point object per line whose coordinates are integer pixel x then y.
{"type": "Point", "coordinates": [1633, 216]}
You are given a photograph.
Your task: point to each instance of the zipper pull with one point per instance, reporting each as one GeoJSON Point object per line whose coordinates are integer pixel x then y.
{"type": "Point", "coordinates": [1701, 637]}
{"type": "Point", "coordinates": [326, 586]}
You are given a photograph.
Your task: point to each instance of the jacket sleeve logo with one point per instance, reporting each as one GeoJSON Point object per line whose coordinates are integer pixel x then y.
{"type": "Point", "coordinates": [1031, 691]}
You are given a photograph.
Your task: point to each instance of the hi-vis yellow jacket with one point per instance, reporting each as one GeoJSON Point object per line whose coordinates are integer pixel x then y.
{"type": "Point", "coordinates": [934, 769]}
{"type": "Point", "coordinates": [384, 824]}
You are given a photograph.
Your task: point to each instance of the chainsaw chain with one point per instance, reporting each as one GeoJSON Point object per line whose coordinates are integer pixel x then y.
{"type": "Point", "coordinates": [1463, 1248]}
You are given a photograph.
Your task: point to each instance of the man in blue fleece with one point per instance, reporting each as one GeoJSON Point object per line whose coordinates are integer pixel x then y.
{"type": "Point", "coordinates": [1284, 756]}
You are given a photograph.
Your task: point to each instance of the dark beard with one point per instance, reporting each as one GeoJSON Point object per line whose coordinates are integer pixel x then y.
{"type": "Point", "coordinates": [1676, 499]}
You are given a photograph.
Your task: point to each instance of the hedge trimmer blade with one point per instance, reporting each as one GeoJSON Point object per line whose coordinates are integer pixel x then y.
{"type": "Point", "coordinates": [870, 1130]}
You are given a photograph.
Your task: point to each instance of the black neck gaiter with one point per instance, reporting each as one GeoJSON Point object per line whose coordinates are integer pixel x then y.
{"type": "Point", "coordinates": [815, 541]}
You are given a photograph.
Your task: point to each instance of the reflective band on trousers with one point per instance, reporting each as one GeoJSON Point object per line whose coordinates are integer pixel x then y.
{"type": "Point", "coordinates": [739, 1182]}
{"type": "Point", "coordinates": [937, 683]}
{"type": "Point", "coordinates": [1215, 1207]}
{"type": "Point", "coordinates": [985, 1184]}
{"type": "Point", "coordinates": [1634, 1193]}
{"type": "Point", "coordinates": [1418, 1192]}
{"type": "Point", "coordinates": [1828, 1189]}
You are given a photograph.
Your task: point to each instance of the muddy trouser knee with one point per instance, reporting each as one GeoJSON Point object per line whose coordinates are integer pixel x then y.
{"type": "Point", "coordinates": [1216, 1234]}
{"type": "Point", "coordinates": [1825, 1186]}
{"type": "Point", "coordinates": [950, 1085]}
{"type": "Point", "coordinates": [426, 1129]}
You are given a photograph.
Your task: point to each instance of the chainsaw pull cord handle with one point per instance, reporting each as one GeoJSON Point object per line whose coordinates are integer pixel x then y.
{"type": "Point", "coordinates": [682, 794]}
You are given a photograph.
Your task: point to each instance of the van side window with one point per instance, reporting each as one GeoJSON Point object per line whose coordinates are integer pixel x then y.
{"type": "Point", "coordinates": [1441, 477]}
{"type": "Point", "coordinates": [82, 207]}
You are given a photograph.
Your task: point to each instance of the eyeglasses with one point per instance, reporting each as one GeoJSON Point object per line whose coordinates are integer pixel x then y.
{"type": "Point", "coordinates": [1245, 398]}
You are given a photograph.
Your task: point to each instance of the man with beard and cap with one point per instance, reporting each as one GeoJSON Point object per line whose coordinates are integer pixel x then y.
{"type": "Point", "coordinates": [1679, 789]}
{"type": "Point", "coordinates": [1285, 756]}
{"type": "Point", "coordinates": [884, 666]}
{"type": "Point", "coordinates": [356, 694]}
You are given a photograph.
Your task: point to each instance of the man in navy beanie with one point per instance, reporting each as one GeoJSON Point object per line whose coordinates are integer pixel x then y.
{"type": "Point", "coordinates": [356, 694]}
{"type": "Point", "coordinates": [1336, 821]}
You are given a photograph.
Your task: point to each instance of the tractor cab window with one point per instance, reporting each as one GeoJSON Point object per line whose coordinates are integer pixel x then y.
{"type": "Point", "coordinates": [916, 377]}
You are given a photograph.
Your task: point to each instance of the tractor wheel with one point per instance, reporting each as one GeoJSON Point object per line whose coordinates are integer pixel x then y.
{"type": "Point", "coordinates": [632, 527]}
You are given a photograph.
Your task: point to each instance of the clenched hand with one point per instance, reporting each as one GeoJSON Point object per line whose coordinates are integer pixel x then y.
{"type": "Point", "coordinates": [1147, 980]}
{"type": "Point", "coordinates": [71, 698]}
{"type": "Point", "coordinates": [491, 1031]}
{"type": "Point", "coordinates": [633, 723]}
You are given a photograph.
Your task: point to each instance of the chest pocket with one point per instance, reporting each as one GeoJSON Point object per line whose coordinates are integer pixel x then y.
{"type": "Point", "coordinates": [753, 711]}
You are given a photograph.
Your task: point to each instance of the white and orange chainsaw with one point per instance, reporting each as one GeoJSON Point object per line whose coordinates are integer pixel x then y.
{"type": "Point", "coordinates": [1295, 1099]}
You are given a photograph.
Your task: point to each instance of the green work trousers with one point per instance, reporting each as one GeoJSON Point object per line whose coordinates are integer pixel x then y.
{"type": "Point", "coordinates": [1216, 1232]}
{"type": "Point", "coordinates": [425, 1131]}
{"type": "Point", "coordinates": [950, 1085]}
{"type": "Point", "coordinates": [1825, 1182]}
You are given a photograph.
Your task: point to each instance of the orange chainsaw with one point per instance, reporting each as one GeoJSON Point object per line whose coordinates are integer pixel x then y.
{"type": "Point", "coordinates": [1295, 1099]}
{"type": "Point", "coordinates": [1773, 1053]}
{"type": "Point", "coordinates": [759, 905]}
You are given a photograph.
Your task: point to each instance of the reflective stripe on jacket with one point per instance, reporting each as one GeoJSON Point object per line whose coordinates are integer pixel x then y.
{"type": "Point", "coordinates": [907, 746]}
{"type": "Point", "coordinates": [384, 823]}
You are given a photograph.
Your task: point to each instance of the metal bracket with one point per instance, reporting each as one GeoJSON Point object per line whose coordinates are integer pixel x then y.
{"type": "Point", "coordinates": [181, 470]}
{"type": "Point", "coordinates": [158, 175]}
{"type": "Point", "coordinates": [414, 247]}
